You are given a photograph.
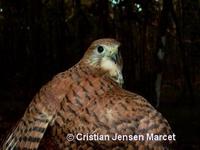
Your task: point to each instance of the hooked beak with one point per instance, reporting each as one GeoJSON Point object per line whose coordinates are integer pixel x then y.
{"type": "Point", "coordinates": [116, 58]}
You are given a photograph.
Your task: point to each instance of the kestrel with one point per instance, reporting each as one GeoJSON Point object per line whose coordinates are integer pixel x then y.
{"type": "Point", "coordinates": [102, 61]}
{"type": "Point", "coordinates": [86, 101]}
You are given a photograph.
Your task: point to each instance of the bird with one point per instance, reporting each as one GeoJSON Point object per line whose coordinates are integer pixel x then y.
{"type": "Point", "coordinates": [101, 61]}
{"type": "Point", "coordinates": [88, 101]}
{"type": "Point", "coordinates": [108, 110]}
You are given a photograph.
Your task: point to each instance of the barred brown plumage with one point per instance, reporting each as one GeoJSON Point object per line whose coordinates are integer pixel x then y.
{"type": "Point", "coordinates": [45, 106]}
{"type": "Point", "coordinates": [117, 111]}
{"type": "Point", "coordinates": [88, 99]}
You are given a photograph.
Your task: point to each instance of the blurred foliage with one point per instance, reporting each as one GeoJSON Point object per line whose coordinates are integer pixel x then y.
{"type": "Point", "coordinates": [42, 37]}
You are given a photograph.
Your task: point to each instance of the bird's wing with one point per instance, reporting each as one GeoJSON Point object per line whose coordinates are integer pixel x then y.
{"type": "Point", "coordinates": [29, 131]}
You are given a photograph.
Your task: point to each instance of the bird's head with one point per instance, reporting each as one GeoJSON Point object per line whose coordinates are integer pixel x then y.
{"type": "Point", "coordinates": [104, 55]}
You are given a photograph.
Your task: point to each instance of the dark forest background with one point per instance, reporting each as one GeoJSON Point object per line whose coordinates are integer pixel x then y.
{"type": "Point", "coordinates": [160, 47]}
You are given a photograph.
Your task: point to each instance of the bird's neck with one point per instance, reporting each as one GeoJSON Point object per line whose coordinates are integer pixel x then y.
{"type": "Point", "coordinates": [115, 75]}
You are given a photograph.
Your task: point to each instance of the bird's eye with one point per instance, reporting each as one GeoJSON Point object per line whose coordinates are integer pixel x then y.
{"type": "Point", "coordinates": [100, 49]}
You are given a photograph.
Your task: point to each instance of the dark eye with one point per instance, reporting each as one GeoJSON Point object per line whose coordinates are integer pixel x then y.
{"type": "Point", "coordinates": [100, 49]}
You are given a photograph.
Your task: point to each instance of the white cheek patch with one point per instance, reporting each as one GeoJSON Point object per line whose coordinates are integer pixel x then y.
{"type": "Point", "coordinates": [113, 69]}
{"type": "Point", "coordinates": [108, 65]}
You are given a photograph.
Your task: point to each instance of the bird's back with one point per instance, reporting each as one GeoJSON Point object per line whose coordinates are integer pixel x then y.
{"type": "Point", "coordinates": [116, 112]}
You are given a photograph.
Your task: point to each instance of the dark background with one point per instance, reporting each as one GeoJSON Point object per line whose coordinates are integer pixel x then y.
{"type": "Point", "coordinates": [39, 38]}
